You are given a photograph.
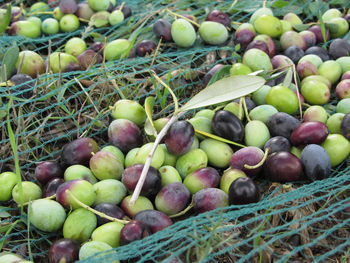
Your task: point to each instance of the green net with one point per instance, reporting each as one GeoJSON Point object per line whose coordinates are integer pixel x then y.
{"type": "Point", "coordinates": [297, 222]}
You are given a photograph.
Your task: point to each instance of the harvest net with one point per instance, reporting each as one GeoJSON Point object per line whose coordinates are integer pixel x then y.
{"type": "Point", "coordinates": [295, 222]}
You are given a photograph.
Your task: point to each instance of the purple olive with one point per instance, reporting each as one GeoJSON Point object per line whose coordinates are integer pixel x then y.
{"type": "Point", "coordinates": [110, 210]}
{"type": "Point", "coordinates": [209, 199]}
{"type": "Point", "coordinates": [134, 230]}
{"type": "Point", "coordinates": [64, 250]}
{"type": "Point", "coordinates": [145, 47]}
{"type": "Point", "coordinates": [311, 132]}
{"type": "Point", "coordinates": [162, 29]}
{"type": "Point", "coordinates": [283, 167]}
{"type": "Point", "coordinates": [249, 155]}
{"type": "Point", "coordinates": [179, 137]}
{"type": "Point", "coordinates": [124, 134]}
{"type": "Point", "coordinates": [154, 219]}
{"type": "Point", "coordinates": [46, 171]}
{"type": "Point", "coordinates": [243, 191]}
{"type": "Point", "coordinates": [172, 198]}
{"type": "Point", "coordinates": [51, 187]}
{"type": "Point", "coordinates": [78, 151]}
{"type": "Point", "coordinates": [152, 184]}
{"type": "Point", "coordinates": [219, 17]}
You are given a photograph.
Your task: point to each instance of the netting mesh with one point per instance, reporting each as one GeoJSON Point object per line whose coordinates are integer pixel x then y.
{"type": "Point", "coordinates": [297, 222]}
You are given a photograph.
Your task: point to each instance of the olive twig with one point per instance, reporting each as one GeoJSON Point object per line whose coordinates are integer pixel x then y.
{"type": "Point", "coordinates": [41, 13]}
{"type": "Point", "coordinates": [247, 166]}
{"type": "Point", "coordinates": [156, 52]}
{"type": "Point", "coordinates": [83, 20]}
{"type": "Point", "coordinates": [264, 3]}
{"type": "Point", "coordinates": [233, 4]}
{"type": "Point", "coordinates": [215, 137]}
{"type": "Point", "coordinates": [113, 219]}
{"type": "Point", "coordinates": [245, 109]}
{"type": "Point", "coordinates": [46, 198]}
{"type": "Point", "coordinates": [145, 169]}
{"type": "Point", "coordinates": [240, 110]}
{"type": "Point", "coordinates": [183, 17]}
{"type": "Point", "coordinates": [7, 84]}
{"type": "Point", "coordinates": [188, 208]}
{"type": "Point", "coordinates": [122, 6]}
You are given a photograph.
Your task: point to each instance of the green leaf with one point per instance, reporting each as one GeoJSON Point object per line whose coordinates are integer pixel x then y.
{"type": "Point", "coordinates": [13, 143]}
{"type": "Point", "coordinates": [3, 112]}
{"type": "Point", "coordinates": [315, 7]}
{"type": "Point", "coordinates": [138, 31]}
{"type": "Point", "coordinates": [9, 59]}
{"type": "Point", "coordinates": [221, 73]}
{"type": "Point", "coordinates": [301, 27]}
{"type": "Point", "coordinates": [339, 2]}
{"type": "Point", "coordinates": [149, 126]}
{"type": "Point", "coordinates": [4, 214]}
{"type": "Point", "coordinates": [288, 78]}
{"type": "Point", "coordinates": [323, 28]}
{"type": "Point", "coordinates": [237, 47]}
{"type": "Point", "coordinates": [288, 9]}
{"type": "Point", "coordinates": [224, 90]}
{"type": "Point", "coordinates": [96, 36]}
{"type": "Point", "coordinates": [5, 20]}
{"type": "Point", "coordinates": [279, 4]}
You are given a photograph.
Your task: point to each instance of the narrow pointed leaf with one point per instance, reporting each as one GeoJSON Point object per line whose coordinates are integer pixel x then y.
{"type": "Point", "coordinates": [301, 27]}
{"type": "Point", "coordinates": [224, 90]}
{"type": "Point", "coordinates": [149, 126]}
{"type": "Point", "coordinates": [5, 20]}
{"type": "Point", "coordinates": [9, 59]}
{"type": "Point", "coordinates": [323, 27]}
{"type": "Point", "coordinates": [288, 78]}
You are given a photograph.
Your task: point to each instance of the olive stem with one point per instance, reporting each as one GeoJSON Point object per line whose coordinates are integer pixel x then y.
{"type": "Point", "coordinates": [7, 83]}
{"type": "Point", "coordinates": [84, 20]}
{"type": "Point", "coordinates": [189, 207]}
{"type": "Point", "coordinates": [145, 169]}
{"type": "Point", "coordinates": [41, 13]}
{"type": "Point", "coordinates": [245, 109]}
{"type": "Point", "coordinates": [219, 138]}
{"type": "Point", "coordinates": [156, 52]}
{"type": "Point", "coordinates": [122, 6]}
{"type": "Point", "coordinates": [113, 219]}
{"type": "Point", "coordinates": [169, 89]}
{"type": "Point", "coordinates": [247, 166]}
{"type": "Point", "coordinates": [233, 4]}
{"type": "Point", "coordinates": [46, 198]}
{"type": "Point", "coordinates": [183, 17]}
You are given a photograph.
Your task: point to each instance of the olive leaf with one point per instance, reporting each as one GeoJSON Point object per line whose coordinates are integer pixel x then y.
{"type": "Point", "coordinates": [288, 78]}
{"type": "Point", "coordinates": [323, 27]}
{"type": "Point", "coordinates": [5, 20]}
{"type": "Point", "coordinates": [149, 126]}
{"type": "Point", "coordinates": [301, 27]}
{"type": "Point", "coordinates": [3, 213]}
{"type": "Point", "coordinates": [279, 4]}
{"type": "Point", "coordinates": [9, 59]}
{"type": "Point", "coordinates": [224, 90]}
